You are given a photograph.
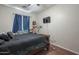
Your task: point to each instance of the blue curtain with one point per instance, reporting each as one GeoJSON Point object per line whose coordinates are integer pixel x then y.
{"type": "Point", "coordinates": [17, 25]}
{"type": "Point", "coordinates": [26, 20]}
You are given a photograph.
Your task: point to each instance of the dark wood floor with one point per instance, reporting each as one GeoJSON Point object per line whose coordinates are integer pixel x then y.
{"type": "Point", "coordinates": [54, 50]}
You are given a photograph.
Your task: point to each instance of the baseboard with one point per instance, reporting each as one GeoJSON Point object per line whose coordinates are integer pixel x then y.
{"type": "Point", "coordinates": [65, 48]}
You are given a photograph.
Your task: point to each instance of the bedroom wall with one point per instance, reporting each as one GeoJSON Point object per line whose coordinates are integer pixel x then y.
{"type": "Point", "coordinates": [64, 26]}
{"type": "Point", "coordinates": [7, 17]}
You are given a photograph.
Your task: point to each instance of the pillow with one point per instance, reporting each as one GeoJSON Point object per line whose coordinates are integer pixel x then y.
{"type": "Point", "coordinates": [10, 35]}
{"type": "Point", "coordinates": [1, 41]}
{"type": "Point", "coordinates": [4, 37]}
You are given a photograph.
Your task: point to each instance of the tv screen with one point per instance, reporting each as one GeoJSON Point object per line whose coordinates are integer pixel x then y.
{"type": "Point", "coordinates": [46, 20]}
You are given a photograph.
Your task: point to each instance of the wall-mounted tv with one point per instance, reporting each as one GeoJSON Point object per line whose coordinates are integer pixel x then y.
{"type": "Point", "coordinates": [46, 20]}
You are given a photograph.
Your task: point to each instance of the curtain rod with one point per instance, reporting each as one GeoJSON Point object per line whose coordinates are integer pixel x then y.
{"type": "Point", "coordinates": [20, 14]}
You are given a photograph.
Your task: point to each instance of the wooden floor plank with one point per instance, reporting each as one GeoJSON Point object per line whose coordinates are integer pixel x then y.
{"type": "Point", "coordinates": [54, 50]}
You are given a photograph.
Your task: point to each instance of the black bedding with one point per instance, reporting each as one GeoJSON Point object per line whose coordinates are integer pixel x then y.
{"type": "Point", "coordinates": [28, 39]}
{"type": "Point", "coordinates": [24, 42]}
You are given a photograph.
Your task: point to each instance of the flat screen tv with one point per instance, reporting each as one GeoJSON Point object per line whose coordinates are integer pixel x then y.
{"type": "Point", "coordinates": [46, 20]}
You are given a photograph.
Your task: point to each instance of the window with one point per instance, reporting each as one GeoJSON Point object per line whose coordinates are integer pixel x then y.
{"type": "Point", "coordinates": [21, 23]}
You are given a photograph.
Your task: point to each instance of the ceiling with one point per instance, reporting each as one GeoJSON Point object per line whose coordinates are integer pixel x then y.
{"type": "Point", "coordinates": [31, 8]}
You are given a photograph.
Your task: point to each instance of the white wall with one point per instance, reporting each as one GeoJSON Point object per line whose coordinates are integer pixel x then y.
{"type": "Point", "coordinates": [7, 17]}
{"type": "Point", "coordinates": [64, 26]}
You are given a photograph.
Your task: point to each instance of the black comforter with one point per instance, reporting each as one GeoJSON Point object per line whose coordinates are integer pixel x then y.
{"type": "Point", "coordinates": [23, 42]}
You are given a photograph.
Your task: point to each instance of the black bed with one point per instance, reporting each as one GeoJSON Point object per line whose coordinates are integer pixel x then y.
{"type": "Point", "coordinates": [23, 44]}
